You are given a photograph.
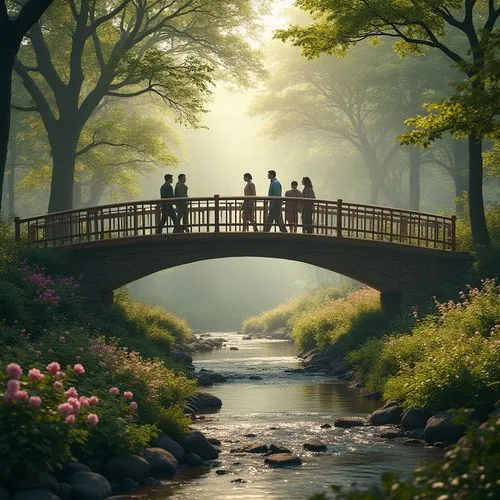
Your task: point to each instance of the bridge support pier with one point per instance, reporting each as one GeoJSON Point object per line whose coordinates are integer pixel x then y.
{"type": "Point", "coordinates": [391, 301]}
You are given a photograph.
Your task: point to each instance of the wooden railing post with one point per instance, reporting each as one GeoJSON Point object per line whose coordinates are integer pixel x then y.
{"type": "Point", "coordinates": [217, 214]}
{"type": "Point", "coordinates": [453, 233]}
{"type": "Point", "coordinates": [339, 218]}
{"type": "Point", "coordinates": [17, 224]}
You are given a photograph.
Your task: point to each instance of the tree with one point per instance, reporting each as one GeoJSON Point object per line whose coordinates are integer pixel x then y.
{"type": "Point", "coordinates": [417, 24]}
{"type": "Point", "coordinates": [127, 48]}
{"type": "Point", "coordinates": [16, 18]}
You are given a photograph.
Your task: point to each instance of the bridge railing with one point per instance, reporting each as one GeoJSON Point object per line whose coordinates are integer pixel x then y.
{"type": "Point", "coordinates": [223, 214]}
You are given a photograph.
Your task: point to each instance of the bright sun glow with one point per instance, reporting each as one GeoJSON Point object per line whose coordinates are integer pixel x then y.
{"type": "Point", "coordinates": [277, 18]}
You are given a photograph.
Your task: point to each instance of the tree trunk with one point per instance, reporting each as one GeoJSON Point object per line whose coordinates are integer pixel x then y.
{"type": "Point", "coordinates": [63, 146]}
{"type": "Point", "coordinates": [461, 158]}
{"type": "Point", "coordinates": [415, 157]}
{"type": "Point", "coordinates": [12, 163]}
{"type": "Point", "coordinates": [6, 65]}
{"type": "Point", "coordinates": [480, 235]}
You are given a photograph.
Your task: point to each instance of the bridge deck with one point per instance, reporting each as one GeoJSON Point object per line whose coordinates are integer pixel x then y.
{"type": "Point", "coordinates": [337, 219]}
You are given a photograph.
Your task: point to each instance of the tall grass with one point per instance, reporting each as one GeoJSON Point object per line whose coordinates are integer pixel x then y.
{"type": "Point", "coordinates": [345, 322]}
{"type": "Point", "coordinates": [286, 314]}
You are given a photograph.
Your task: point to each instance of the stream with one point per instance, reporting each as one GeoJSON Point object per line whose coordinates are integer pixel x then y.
{"type": "Point", "coordinates": [287, 410]}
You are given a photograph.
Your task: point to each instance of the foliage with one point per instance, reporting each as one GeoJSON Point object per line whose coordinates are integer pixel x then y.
{"type": "Point", "coordinates": [44, 419]}
{"type": "Point", "coordinates": [285, 315]}
{"type": "Point", "coordinates": [148, 329]}
{"type": "Point", "coordinates": [449, 359]}
{"type": "Point", "coordinates": [473, 109]}
{"type": "Point", "coordinates": [344, 322]}
{"type": "Point", "coordinates": [463, 231]}
{"type": "Point", "coordinates": [470, 470]}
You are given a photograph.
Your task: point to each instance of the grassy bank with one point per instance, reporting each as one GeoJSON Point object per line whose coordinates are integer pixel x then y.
{"type": "Point", "coordinates": [74, 384]}
{"type": "Point", "coordinates": [285, 315]}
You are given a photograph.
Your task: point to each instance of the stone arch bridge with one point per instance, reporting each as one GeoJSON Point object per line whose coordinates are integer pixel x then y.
{"type": "Point", "coordinates": [404, 254]}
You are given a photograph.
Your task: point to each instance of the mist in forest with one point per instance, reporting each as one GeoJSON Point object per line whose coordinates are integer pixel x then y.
{"type": "Point", "coordinates": [336, 120]}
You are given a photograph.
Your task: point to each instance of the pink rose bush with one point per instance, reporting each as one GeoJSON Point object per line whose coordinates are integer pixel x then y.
{"type": "Point", "coordinates": [43, 415]}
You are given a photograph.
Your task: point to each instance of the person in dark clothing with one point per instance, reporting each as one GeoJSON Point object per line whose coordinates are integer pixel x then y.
{"type": "Point", "coordinates": [181, 191]}
{"type": "Point", "coordinates": [274, 215]}
{"type": "Point", "coordinates": [167, 209]}
{"type": "Point", "coordinates": [307, 206]}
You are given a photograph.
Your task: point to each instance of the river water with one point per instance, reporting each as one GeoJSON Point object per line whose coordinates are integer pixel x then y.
{"type": "Point", "coordinates": [287, 410]}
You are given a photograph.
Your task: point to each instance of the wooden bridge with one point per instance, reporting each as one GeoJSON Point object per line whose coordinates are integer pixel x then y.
{"type": "Point", "coordinates": [223, 214]}
{"type": "Point", "coordinates": [402, 253]}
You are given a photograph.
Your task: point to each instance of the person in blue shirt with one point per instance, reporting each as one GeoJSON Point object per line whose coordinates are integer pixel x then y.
{"type": "Point", "coordinates": [274, 215]}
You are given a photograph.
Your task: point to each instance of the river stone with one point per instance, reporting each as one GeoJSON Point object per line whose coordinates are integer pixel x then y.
{"type": "Point", "coordinates": [65, 491]}
{"type": "Point", "coordinates": [325, 426]}
{"type": "Point", "coordinates": [214, 441]}
{"type": "Point", "coordinates": [205, 380]}
{"type": "Point", "coordinates": [282, 460]}
{"type": "Point", "coordinates": [128, 466]}
{"type": "Point", "coordinates": [193, 460]}
{"type": "Point", "coordinates": [440, 427]}
{"type": "Point", "coordinates": [273, 448]}
{"type": "Point", "coordinates": [167, 443]}
{"type": "Point", "coordinates": [89, 485]}
{"type": "Point", "coordinates": [392, 434]}
{"type": "Point", "coordinates": [71, 468]}
{"type": "Point", "coordinates": [204, 401]}
{"type": "Point", "coordinates": [36, 494]}
{"type": "Point", "coordinates": [233, 349]}
{"type": "Point", "coordinates": [43, 481]}
{"type": "Point", "coordinates": [347, 422]}
{"type": "Point", "coordinates": [316, 446]}
{"type": "Point", "coordinates": [218, 378]}
{"type": "Point", "coordinates": [387, 415]}
{"type": "Point", "coordinates": [295, 370]}
{"type": "Point", "coordinates": [256, 447]}
{"type": "Point", "coordinates": [196, 442]}
{"type": "Point", "coordinates": [161, 461]}
{"type": "Point", "coordinates": [255, 377]}
{"type": "Point", "coordinates": [416, 418]}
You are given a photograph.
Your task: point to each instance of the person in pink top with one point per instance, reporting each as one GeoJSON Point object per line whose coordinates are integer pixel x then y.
{"type": "Point", "coordinates": [292, 207]}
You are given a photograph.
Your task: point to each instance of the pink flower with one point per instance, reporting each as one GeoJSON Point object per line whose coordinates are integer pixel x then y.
{"type": "Point", "coordinates": [128, 395]}
{"type": "Point", "coordinates": [58, 385]}
{"type": "Point", "coordinates": [84, 401]}
{"type": "Point", "coordinates": [70, 419]}
{"type": "Point", "coordinates": [21, 396]}
{"type": "Point", "coordinates": [53, 368]}
{"type": "Point", "coordinates": [14, 370]}
{"type": "Point", "coordinates": [94, 400]}
{"type": "Point", "coordinates": [71, 393]}
{"type": "Point", "coordinates": [35, 401]}
{"type": "Point", "coordinates": [65, 409]}
{"type": "Point", "coordinates": [114, 391]}
{"type": "Point", "coordinates": [92, 419]}
{"type": "Point", "coordinates": [35, 374]}
{"type": "Point", "coordinates": [8, 396]}
{"type": "Point", "coordinates": [75, 404]}
{"type": "Point", "coordinates": [13, 385]}
{"type": "Point", "coordinates": [79, 369]}
{"type": "Point", "coordinates": [133, 406]}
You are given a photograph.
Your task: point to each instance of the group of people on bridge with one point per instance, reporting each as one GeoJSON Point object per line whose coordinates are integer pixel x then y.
{"type": "Point", "coordinates": [300, 202]}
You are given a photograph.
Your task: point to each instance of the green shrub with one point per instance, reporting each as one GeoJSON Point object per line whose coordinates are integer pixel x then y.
{"type": "Point", "coordinates": [347, 322]}
{"type": "Point", "coordinates": [286, 314]}
{"type": "Point", "coordinates": [449, 359]}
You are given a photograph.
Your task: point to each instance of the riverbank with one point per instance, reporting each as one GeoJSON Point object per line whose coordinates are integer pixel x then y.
{"type": "Point", "coordinates": [86, 399]}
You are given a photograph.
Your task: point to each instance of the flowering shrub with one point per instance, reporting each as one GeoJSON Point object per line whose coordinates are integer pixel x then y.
{"type": "Point", "coordinates": [44, 418]}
